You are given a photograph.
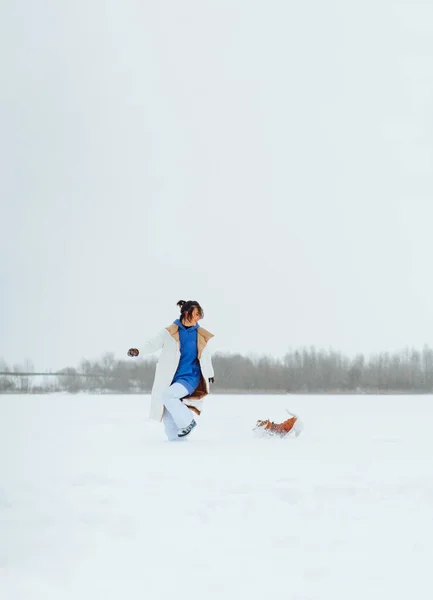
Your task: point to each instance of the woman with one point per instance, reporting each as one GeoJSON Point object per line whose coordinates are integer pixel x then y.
{"type": "Point", "coordinates": [183, 372]}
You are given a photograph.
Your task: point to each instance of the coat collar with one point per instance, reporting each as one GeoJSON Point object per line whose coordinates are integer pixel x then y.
{"type": "Point", "coordinates": [203, 336]}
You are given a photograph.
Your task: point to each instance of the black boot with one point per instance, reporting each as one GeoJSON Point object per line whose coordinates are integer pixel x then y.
{"type": "Point", "coordinates": [187, 430]}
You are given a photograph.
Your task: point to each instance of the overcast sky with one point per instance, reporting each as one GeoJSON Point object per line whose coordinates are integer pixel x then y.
{"type": "Point", "coordinates": [271, 159]}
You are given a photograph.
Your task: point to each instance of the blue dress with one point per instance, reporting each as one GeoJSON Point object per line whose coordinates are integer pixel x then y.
{"type": "Point", "coordinates": [188, 371]}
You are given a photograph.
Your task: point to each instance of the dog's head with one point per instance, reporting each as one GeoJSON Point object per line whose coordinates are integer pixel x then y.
{"type": "Point", "coordinates": [263, 423]}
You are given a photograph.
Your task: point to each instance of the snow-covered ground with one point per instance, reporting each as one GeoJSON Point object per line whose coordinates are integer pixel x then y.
{"type": "Point", "coordinates": [94, 503]}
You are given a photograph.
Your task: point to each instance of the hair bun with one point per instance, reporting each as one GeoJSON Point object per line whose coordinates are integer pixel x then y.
{"type": "Point", "coordinates": [180, 303]}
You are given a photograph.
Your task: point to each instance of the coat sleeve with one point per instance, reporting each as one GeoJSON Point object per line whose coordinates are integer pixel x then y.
{"type": "Point", "coordinates": [153, 344]}
{"type": "Point", "coordinates": [207, 356]}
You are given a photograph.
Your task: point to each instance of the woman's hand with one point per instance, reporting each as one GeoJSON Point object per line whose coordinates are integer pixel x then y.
{"type": "Point", "coordinates": [133, 352]}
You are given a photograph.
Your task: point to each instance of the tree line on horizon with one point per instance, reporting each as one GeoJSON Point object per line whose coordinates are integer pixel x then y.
{"type": "Point", "coordinates": [305, 370]}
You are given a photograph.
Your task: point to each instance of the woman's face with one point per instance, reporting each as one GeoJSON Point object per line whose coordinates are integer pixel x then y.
{"type": "Point", "coordinates": [195, 316]}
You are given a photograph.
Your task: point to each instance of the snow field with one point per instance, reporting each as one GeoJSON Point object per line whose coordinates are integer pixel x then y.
{"type": "Point", "coordinates": [94, 501]}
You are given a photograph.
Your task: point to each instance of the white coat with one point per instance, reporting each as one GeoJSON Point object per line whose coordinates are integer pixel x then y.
{"type": "Point", "coordinates": [167, 340]}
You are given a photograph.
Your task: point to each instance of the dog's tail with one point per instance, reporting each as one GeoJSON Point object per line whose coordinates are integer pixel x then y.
{"type": "Point", "coordinates": [298, 426]}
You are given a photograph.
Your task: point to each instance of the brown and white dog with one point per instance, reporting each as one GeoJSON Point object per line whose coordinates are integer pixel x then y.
{"type": "Point", "coordinates": [291, 425]}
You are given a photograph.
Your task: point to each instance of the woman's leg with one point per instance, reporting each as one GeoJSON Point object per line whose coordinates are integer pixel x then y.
{"type": "Point", "coordinates": [171, 429]}
{"type": "Point", "coordinates": [180, 414]}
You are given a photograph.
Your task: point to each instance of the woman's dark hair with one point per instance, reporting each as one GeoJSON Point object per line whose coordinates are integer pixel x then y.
{"type": "Point", "coordinates": [186, 309]}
